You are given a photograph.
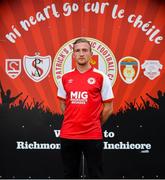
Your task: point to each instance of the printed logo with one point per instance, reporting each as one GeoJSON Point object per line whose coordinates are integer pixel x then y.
{"type": "Point", "coordinates": [91, 80]}
{"type": "Point", "coordinates": [151, 68]}
{"type": "Point", "coordinates": [13, 67]}
{"type": "Point", "coordinates": [37, 67]}
{"type": "Point", "coordinates": [102, 59]}
{"type": "Point", "coordinates": [129, 68]}
{"type": "Point", "coordinates": [70, 81]}
{"type": "Point", "coordinates": [78, 97]}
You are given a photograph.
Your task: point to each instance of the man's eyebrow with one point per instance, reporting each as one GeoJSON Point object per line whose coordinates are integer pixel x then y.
{"type": "Point", "coordinates": [82, 49]}
{"type": "Point", "coordinates": [76, 49]}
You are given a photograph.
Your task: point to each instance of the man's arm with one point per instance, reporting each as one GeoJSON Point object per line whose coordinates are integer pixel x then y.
{"type": "Point", "coordinates": [14, 98]}
{"type": "Point", "coordinates": [62, 105]}
{"type": "Point", "coordinates": [107, 111]}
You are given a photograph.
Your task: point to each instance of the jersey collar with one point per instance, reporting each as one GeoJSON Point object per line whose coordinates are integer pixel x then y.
{"type": "Point", "coordinates": [85, 71]}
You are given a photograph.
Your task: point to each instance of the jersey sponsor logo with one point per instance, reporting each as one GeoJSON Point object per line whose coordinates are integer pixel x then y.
{"type": "Point", "coordinates": [102, 59]}
{"type": "Point", "coordinates": [129, 68]}
{"type": "Point", "coordinates": [70, 81]}
{"type": "Point", "coordinates": [91, 80]}
{"type": "Point", "coordinates": [37, 67]}
{"type": "Point", "coordinates": [13, 67]}
{"type": "Point", "coordinates": [151, 68]}
{"type": "Point", "coordinates": [78, 97]}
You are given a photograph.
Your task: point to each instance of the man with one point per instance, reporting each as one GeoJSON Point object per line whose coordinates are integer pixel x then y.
{"type": "Point", "coordinates": [85, 96]}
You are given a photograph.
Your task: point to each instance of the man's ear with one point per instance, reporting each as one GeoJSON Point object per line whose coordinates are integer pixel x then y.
{"type": "Point", "coordinates": [73, 55]}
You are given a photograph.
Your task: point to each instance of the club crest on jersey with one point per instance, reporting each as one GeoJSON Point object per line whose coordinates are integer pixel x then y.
{"type": "Point", "coordinates": [102, 59]}
{"type": "Point", "coordinates": [129, 68]}
{"type": "Point", "coordinates": [13, 67]}
{"type": "Point", "coordinates": [70, 81]}
{"type": "Point", "coordinates": [91, 80]}
{"type": "Point", "coordinates": [37, 67]}
{"type": "Point", "coordinates": [151, 68]}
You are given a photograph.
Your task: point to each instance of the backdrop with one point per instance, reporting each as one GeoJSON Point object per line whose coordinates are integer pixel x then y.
{"type": "Point", "coordinates": [127, 39]}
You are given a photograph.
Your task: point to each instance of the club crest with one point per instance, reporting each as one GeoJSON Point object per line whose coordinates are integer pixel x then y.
{"type": "Point", "coordinates": [91, 80]}
{"type": "Point", "coordinates": [13, 67]}
{"type": "Point", "coordinates": [129, 68]}
{"type": "Point", "coordinates": [37, 67]}
{"type": "Point", "coordinates": [151, 68]}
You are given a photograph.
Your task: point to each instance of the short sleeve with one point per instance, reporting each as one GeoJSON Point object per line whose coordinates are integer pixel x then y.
{"type": "Point", "coordinates": [106, 91]}
{"type": "Point", "coordinates": [61, 93]}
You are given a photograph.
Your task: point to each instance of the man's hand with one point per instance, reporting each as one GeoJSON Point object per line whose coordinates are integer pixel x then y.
{"type": "Point", "coordinates": [107, 111]}
{"type": "Point", "coordinates": [62, 105]}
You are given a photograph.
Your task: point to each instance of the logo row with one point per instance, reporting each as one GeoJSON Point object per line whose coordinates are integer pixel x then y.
{"type": "Point", "coordinates": [38, 67]}
{"type": "Point", "coordinates": [129, 68]}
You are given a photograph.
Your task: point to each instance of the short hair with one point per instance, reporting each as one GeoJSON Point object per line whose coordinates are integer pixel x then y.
{"type": "Point", "coordinates": [82, 40]}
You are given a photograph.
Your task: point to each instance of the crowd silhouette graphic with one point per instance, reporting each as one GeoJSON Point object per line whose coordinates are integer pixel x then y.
{"type": "Point", "coordinates": [134, 123]}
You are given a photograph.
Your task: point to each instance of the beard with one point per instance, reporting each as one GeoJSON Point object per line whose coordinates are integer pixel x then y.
{"type": "Point", "coordinates": [82, 62]}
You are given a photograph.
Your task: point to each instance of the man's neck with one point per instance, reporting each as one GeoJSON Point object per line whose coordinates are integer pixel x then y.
{"type": "Point", "coordinates": [83, 68]}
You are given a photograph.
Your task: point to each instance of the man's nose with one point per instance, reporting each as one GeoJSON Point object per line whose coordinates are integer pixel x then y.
{"type": "Point", "coordinates": [81, 53]}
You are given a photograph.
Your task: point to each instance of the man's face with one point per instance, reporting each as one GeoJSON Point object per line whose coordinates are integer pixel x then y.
{"type": "Point", "coordinates": [82, 53]}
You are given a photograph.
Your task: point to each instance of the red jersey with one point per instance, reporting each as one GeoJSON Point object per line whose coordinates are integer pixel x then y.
{"type": "Point", "coordinates": [84, 94]}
